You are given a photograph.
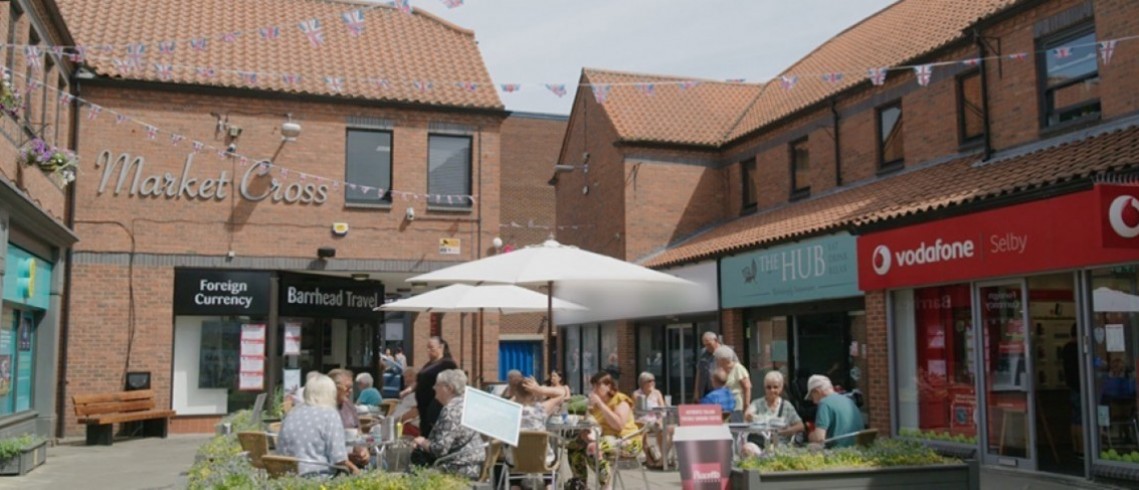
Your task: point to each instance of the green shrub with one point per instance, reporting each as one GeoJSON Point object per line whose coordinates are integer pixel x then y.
{"type": "Point", "coordinates": [11, 447]}
{"type": "Point", "coordinates": [883, 454]}
{"type": "Point", "coordinates": [578, 405]}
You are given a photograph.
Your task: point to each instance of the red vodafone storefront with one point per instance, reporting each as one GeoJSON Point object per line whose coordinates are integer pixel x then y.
{"type": "Point", "coordinates": [1015, 331]}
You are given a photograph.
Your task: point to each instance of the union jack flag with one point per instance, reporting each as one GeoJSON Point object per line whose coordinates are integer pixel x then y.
{"type": "Point", "coordinates": [290, 79]}
{"type": "Point", "coordinates": [511, 87]}
{"type": "Point", "coordinates": [336, 185]}
{"type": "Point", "coordinates": [199, 44]}
{"type": "Point", "coordinates": [468, 86]}
{"type": "Point", "coordinates": [645, 88]}
{"type": "Point", "coordinates": [1018, 56]}
{"type": "Point", "coordinates": [248, 77]}
{"type": "Point", "coordinates": [273, 32]}
{"type": "Point", "coordinates": [205, 71]}
{"type": "Point", "coordinates": [422, 86]}
{"type": "Point", "coordinates": [311, 28]}
{"type": "Point", "coordinates": [34, 85]}
{"type": "Point", "coordinates": [1106, 50]}
{"type": "Point", "coordinates": [365, 189]}
{"type": "Point", "coordinates": [354, 19]}
{"type": "Point", "coordinates": [351, 186]}
{"type": "Point", "coordinates": [971, 62]}
{"type": "Point", "coordinates": [284, 172]}
{"type": "Point", "coordinates": [107, 48]}
{"type": "Point", "coordinates": [877, 75]}
{"type": "Point", "coordinates": [403, 6]}
{"type": "Point", "coordinates": [165, 72]}
{"type": "Point", "coordinates": [1062, 52]}
{"type": "Point", "coordinates": [243, 161]}
{"type": "Point", "coordinates": [382, 83]}
{"type": "Point", "coordinates": [119, 119]}
{"type": "Point", "coordinates": [558, 89]}
{"type": "Point", "coordinates": [135, 51]}
{"type": "Point", "coordinates": [924, 73]}
{"type": "Point", "coordinates": [303, 176]}
{"type": "Point", "coordinates": [687, 84]}
{"type": "Point", "coordinates": [198, 145]}
{"type": "Point", "coordinates": [175, 139]}
{"type": "Point", "coordinates": [601, 93]}
{"type": "Point", "coordinates": [65, 98]}
{"type": "Point", "coordinates": [151, 132]}
{"type": "Point", "coordinates": [93, 112]}
{"type": "Point", "coordinates": [833, 77]}
{"type": "Point", "coordinates": [788, 81]}
{"type": "Point", "coordinates": [222, 154]}
{"type": "Point", "coordinates": [230, 37]}
{"type": "Point", "coordinates": [78, 54]}
{"type": "Point", "coordinates": [32, 56]}
{"type": "Point", "coordinates": [57, 51]}
{"type": "Point", "coordinates": [126, 66]}
{"type": "Point", "coordinates": [335, 84]}
{"type": "Point", "coordinates": [453, 3]}
{"type": "Point", "coordinates": [167, 47]}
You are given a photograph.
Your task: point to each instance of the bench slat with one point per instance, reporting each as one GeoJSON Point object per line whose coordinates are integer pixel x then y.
{"type": "Point", "coordinates": [128, 417]}
{"type": "Point", "coordinates": [120, 396]}
{"type": "Point", "coordinates": [113, 407]}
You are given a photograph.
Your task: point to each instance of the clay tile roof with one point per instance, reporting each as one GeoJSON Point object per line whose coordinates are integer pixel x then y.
{"type": "Point", "coordinates": [926, 189]}
{"type": "Point", "coordinates": [894, 36]}
{"type": "Point", "coordinates": [698, 115]}
{"type": "Point", "coordinates": [395, 46]}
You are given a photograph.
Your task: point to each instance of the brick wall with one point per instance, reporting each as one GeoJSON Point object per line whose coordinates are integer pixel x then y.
{"type": "Point", "coordinates": [878, 361]}
{"type": "Point", "coordinates": [667, 202]}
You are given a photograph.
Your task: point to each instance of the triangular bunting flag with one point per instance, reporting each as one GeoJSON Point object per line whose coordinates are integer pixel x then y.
{"type": "Point", "coordinates": [1107, 50]}
{"type": "Point", "coordinates": [511, 87]}
{"type": "Point", "coordinates": [601, 93]}
{"type": "Point", "coordinates": [788, 81]}
{"type": "Point", "coordinates": [354, 20]}
{"type": "Point", "coordinates": [557, 89]}
{"type": "Point", "coordinates": [877, 75]}
{"type": "Point", "coordinates": [924, 74]}
{"type": "Point", "coordinates": [311, 28]}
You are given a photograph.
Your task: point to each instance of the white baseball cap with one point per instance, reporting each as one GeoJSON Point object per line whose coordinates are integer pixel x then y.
{"type": "Point", "coordinates": [815, 382]}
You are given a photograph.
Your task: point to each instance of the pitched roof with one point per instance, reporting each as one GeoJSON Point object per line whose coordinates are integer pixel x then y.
{"type": "Point", "coordinates": [901, 32]}
{"type": "Point", "coordinates": [926, 189]}
{"type": "Point", "coordinates": [394, 46]}
{"type": "Point", "coordinates": [698, 115]}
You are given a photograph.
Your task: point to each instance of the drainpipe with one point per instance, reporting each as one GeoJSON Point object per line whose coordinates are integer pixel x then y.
{"type": "Point", "coordinates": [837, 145]}
{"type": "Point", "coordinates": [988, 151]}
{"type": "Point", "coordinates": [68, 267]}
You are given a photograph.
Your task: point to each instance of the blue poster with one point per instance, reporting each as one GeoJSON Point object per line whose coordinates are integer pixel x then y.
{"type": "Point", "coordinates": [815, 269]}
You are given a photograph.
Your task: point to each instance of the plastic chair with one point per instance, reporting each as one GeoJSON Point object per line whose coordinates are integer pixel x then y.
{"type": "Point", "coordinates": [277, 466]}
{"type": "Point", "coordinates": [492, 452]}
{"type": "Point", "coordinates": [255, 445]}
{"type": "Point", "coordinates": [619, 457]}
{"type": "Point", "coordinates": [530, 458]}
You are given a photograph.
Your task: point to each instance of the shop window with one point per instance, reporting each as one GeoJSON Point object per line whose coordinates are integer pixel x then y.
{"type": "Point", "coordinates": [449, 171]}
{"type": "Point", "coordinates": [891, 151]}
{"type": "Point", "coordinates": [650, 352]}
{"type": "Point", "coordinates": [368, 165]}
{"type": "Point", "coordinates": [29, 77]}
{"type": "Point", "coordinates": [590, 353]}
{"type": "Point", "coordinates": [610, 359]}
{"type": "Point", "coordinates": [207, 353]}
{"type": "Point", "coordinates": [935, 363]}
{"type": "Point", "coordinates": [970, 111]}
{"type": "Point", "coordinates": [1069, 76]}
{"type": "Point", "coordinates": [747, 186]}
{"type": "Point", "coordinates": [17, 360]}
{"type": "Point", "coordinates": [800, 166]}
{"type": "Point", "coordinates": [571, 343]}
{"type": "Point", "coordinates": [1115, 351]}
{"type": "Point", "coordinates": [769, 347]}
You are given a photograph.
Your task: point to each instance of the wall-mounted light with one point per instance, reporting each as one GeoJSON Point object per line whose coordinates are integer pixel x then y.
{"type": "Point", "coordinates": [359, 276]}
{"type": "Point", "coordinates": [497, 242]}
{"type": "Point", "coordinates": [290, 130]}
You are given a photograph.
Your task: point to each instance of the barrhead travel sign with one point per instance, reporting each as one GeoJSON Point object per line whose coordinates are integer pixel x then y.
{"type": "Point", "coordinates": [1095, 227]}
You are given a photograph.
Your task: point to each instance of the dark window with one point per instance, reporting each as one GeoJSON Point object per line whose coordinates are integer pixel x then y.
{"type": "Point", "coordinates": [1069, 75]}
{"type": "Point", "coordinates": [61, 112]}
{"type": "Point", "coordinates": [747, 185]}
{"type": "Point", "coordinates": [368, 165]}
{"type": "Point", "coordinates": [14, 14]}
{"type": "Point", "coordinates": [800, 167]}
{"type": "Point", "coordinates": [449, 171]}
{"type": "Point", "coordinates": [44, 129]}
{"type": "Point", "coordinates": [970, 114]}
{"type": "Point", "coordinates": [891, 151]}
{"type": "Point", "coordinates": [29, 77]}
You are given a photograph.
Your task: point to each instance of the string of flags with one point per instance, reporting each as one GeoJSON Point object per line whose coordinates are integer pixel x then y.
{"type": "Point", "coordinates": [530, 225]}
{"type": "Point", "coordinates": [152, 133]}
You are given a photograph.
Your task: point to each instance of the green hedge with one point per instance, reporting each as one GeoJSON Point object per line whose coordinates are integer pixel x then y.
{"type": "Point", "coordinates": [883, 454]}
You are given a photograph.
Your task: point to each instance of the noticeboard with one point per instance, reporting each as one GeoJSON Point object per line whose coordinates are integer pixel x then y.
{"type": "Point", "coordinates": [492, 416]}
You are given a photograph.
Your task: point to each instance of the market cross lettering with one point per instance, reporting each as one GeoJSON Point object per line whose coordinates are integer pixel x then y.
{"type": "Point", "coordinates": [186, 186]}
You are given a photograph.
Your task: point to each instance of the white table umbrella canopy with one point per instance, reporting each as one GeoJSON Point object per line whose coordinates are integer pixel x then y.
{"type": "Point", "coordinates": [465, 298]}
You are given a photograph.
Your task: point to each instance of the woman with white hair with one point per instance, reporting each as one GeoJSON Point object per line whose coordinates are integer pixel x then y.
{"type": "Point", "coordinates": [314, 433]}
{"type": "Point", "coordinates": [738, 381]}
{"type": "Point", "coordinates": [449, 438]}
{"type": "Point", "coordinates": [369, 395]}
{"type": "Point", "coordinates": [772, 405]}
{"type": "Point", "coordinates": [655, 451]}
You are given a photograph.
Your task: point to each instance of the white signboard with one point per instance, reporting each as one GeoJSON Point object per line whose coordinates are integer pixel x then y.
{"type": "Point", "coordinates": [492, 416]}
{"type": "Point", "coordinates": [450, 246]}
{"type": "Point", "coordinates": [292, 339]}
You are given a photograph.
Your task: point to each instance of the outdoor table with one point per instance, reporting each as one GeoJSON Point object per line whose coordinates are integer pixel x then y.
{"type": "Point", "coordinates": [765, 429]}
{"type": "Point", "coordinates": [381, 447]}
{"type": "Point", "coordinates": [667, 416]}
{"type": "Point", "coordinates": [567, 432]}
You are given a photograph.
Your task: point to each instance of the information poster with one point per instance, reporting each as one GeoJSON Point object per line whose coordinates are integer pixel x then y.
{"type": "Point", "coordinates": [292, 339]}
{"type": "Point", "coordinates": [493, 416]}
{"type": "Point", "coordinates": [292, 380]}
{"type": "Point", "coordinates": [252, 367]}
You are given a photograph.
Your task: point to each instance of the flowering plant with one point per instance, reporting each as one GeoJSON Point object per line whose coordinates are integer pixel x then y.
{"type": "Point", "coordinates": [63, 164]}
{"type": "Point", "coordinates": [9, 99]}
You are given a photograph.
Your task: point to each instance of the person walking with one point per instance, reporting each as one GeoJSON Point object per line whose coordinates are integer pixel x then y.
{"type": "Point", "coordinates": [438, 360]}
{"type": "Point", "coordinates": [705, 365]}
{"type": "Point", "coordinates": [738, 381]}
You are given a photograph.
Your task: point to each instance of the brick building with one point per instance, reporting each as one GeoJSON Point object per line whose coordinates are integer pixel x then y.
{"type": "Point", "coordinates": [189, 251]}
{"type": "Point", "coordinates": [929, 242]}
{"type": "Point", "coordinates": [35, 216]}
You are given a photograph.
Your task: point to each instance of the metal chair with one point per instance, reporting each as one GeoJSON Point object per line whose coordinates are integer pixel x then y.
{"type": "Point", "coordinates": [619, 457]}
{"type": "Point", "coordinates": [493, 450]}
{"type": "Point", "coordinates": [255, 445]}
{"type": "Point", "coordinates": [530, 458]}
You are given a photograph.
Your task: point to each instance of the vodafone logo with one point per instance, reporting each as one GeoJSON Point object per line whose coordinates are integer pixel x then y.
{"type": "Point", "coordinates": [1123, 215]}
{"type": "Point", "coordinates": [881, 260]}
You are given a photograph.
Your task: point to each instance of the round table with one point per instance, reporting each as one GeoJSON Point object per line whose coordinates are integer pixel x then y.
{"type": "Point", "coordinates": [567, 432]}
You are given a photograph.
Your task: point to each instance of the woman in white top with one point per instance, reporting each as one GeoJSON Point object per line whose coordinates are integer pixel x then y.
{"type": "Point", "coordinates": [772, 405]}
{"type": "Point", "coordinates": [648, 391]}
{"type": "Point", "coordinates": [656, 445]}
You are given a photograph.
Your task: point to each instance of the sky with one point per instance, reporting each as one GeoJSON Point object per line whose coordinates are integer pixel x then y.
{"type": "Point", "coordinates": [534, 42]}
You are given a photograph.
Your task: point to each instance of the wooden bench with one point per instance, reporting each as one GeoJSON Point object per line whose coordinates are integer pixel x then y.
{"type": "Point", "coordinates": [101, 411]}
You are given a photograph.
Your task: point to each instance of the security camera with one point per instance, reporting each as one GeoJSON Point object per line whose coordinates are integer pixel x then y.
{"type": "Point", "coordinates": [232, 148]}
{"type": "Point", "coordinates": [409, 214]}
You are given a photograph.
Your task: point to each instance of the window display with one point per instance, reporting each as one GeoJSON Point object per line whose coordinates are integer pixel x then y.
{"type": "Point", "coordinates": [1114, 350]}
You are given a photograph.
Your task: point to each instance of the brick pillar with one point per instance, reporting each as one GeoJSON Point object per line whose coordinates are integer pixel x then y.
{"type": "Point", "coordinates": [732, 329]}
{"type": "Point", "coordinates": [878, 361]}
{"type": "Point", "coordinates": [627, 350]}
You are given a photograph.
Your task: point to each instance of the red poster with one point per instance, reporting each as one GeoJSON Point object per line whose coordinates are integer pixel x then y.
{"type": "Point", "coordinates": [700, 415]}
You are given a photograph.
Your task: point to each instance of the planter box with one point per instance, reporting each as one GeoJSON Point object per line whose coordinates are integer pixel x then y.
{"type": "Point", "coordinates": [28, 460]}
{"type": "Point", "coordinates": [933, 477]}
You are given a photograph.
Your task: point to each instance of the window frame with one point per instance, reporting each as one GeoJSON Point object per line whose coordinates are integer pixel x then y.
{"type": "Point", "coordinates": [386, 200]}
{"type": "Point", "coordinates": [892, 165]}
{"type": "Point", "coordinates": [963, 137]}
{"type": "Point", "coordinates": [467, 204]}
{"type": "Point", "coordinates": [749, 198]}
{"type": "Point", "coordinates": [799, 191]}
{"type": "Point", "coordinates": [15, 15]}
{"type": "Point", "coordinates": [1046, 43]}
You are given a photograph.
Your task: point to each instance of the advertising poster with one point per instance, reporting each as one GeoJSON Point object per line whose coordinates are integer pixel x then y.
{"type": "Point", "coordinates": [5, 374]}
{"type": "Point", "coordinates": [292, 339]}
{"type": "Point", "coordinates": [25, 332]}
{"type": "Point", "coordinates": [252, 368]}
{"type": "Point", "coordinates": [704, 455]}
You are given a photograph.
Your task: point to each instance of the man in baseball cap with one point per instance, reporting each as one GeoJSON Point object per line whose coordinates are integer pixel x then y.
{"type": "Point", "coordinates": [837, 415]}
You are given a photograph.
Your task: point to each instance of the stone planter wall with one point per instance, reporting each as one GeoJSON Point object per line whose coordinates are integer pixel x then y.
{"type": "Point", "coordinates": [964, 476]}
{"type": "Point", "coordinates": [26, 461]}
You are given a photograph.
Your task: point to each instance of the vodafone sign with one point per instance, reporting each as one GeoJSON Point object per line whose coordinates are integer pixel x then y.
{"type": "Point", "coordinates": [1052, 234]}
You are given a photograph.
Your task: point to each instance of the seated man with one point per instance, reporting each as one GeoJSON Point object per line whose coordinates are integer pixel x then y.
{"type": "Point", "coordinates": [720, 394]}
{"type": "Point", "coordinates": [837, 415]}
{"type": "Point", "coordinates": [369, 395]}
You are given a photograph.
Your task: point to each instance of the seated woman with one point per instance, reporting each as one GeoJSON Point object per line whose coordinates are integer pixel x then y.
{"type": "Point", "coordinates": [613, 412]}
{"type": "Point", "coordinates": [369, 395]}
{"type": "Point", "coordinates": [538, 403]}
{"type": "Point", "coordinates": [313, 431]}
{"type": "Point", "coordinates": [772, 405]}
{"type": "Point", "coordinates": [655, 451]}
{"type": "Point", "coordinates": [556, 381]}
{"type": "Point", "coordinates": [462, 446]}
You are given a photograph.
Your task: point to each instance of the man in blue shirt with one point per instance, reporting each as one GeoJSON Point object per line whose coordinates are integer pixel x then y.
{"type": "Point", "coordinates": [837, 415]}
{"type": "Point", "coordinates": [720, 394]}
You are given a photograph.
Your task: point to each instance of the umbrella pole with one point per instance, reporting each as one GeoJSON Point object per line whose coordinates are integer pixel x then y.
{"type": "Point", "coordinates": [549, 327]}
{"type": "Point", "coordinates": [479, 354]}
